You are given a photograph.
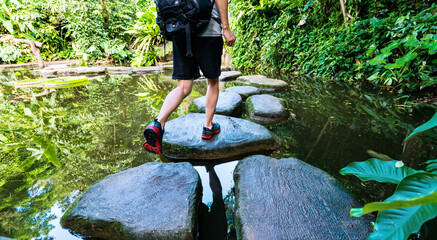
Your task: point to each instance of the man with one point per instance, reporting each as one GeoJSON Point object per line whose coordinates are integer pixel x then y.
{"type": "Point", "coordinates": [207, 49]}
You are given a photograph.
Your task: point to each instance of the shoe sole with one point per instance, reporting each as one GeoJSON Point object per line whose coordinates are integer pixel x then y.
{"type": "Point", "coordinates": [152, 144]}
{"type": "Point", "coordinates": [210, 136]}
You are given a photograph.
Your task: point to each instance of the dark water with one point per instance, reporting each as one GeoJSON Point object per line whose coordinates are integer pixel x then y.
{"type": "Point", "coordinates": [97, 131]}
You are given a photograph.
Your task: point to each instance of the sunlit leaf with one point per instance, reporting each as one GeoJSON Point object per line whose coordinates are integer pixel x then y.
{"type": "Point", "coordinates": [391, 46]}
{"type": "Point", "coordinates": [8, 26]}
{"type": "Point", "coordinates": [424, 127]}
{"type": "Point", "coordinates": [378, 170]}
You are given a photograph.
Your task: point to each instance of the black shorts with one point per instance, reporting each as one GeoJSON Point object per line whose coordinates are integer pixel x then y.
{"type": "Point", "coordinates": [207, 53]}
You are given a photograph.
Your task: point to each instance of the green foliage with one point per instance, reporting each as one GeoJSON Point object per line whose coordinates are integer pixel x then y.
{"type": "Point", "coordinates": [414, 201]}
{"type": "Point", "coordinates": [148, 36]}
{"type": "Point", "coordinates": [388, 43]}
{"type": "Point", "coordinates": [70, 28]}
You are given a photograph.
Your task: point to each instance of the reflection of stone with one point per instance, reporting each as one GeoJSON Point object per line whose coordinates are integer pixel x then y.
{"type": "Point", "coordinates": [152, 201]}
{"type": "Point", "coordinates": [238, 137]}
{"type": "Point", "coordinates": [266, 109]}
{"type": "Point", "coordinates": [244, 91]}
{"type": "Point", "coordinates": [264, 82]}
{"type": "Point", "coordinates": [228, 103]}
{"type": "Point", "coordinates": [289, 199]}
{"type": "Point", "coordinates": [229, 75]}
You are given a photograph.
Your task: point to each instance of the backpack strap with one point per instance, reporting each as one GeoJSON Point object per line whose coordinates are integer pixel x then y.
{"type": "Point", "coordinates": [188, 36]}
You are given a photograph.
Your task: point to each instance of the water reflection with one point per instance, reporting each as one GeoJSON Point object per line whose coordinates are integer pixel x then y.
{"type": "Point", "coordinates": [212, 222]}
{"type": "Point", "coordinates": [96, 130]}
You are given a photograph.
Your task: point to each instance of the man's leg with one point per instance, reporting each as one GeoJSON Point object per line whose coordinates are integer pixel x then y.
{"type": "Point", "coordinates": [174, 99]}
{"type": "Point", "coordinates": [211, 100]}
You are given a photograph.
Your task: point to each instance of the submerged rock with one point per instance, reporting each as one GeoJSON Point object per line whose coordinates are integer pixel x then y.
{"type": "Point", "coordinates": [238, 137]}
{"type": "Point", "coordinates": [289, 199]}
{"type": "Point", "coordinates": [152, 201]}
{"type": "Point", "coordinates": [229, 75]}
{"type": "Point", "coordinates": [263, 82]}
{"type": "Point", "coordinates": [266, 109]}
{"type": "Point", "coordinates": [244, 91]}
{"type": "Point", "coordinates": [228, 103]}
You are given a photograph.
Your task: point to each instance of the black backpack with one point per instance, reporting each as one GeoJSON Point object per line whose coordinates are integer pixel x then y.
{"type": "Point", "coordinates": [183, 18]}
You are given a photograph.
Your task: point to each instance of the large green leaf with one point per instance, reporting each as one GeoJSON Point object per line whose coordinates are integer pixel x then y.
{"type": "Point", "coordinates": [414, 190]}
{"type": "Point", "coordinates": [399, 223]}
{"type": "Point", "coordinates": [380, 59]}
{"type": "Point", "coordinates": [378, 170]}
{"type": "Point", "coordinates": [424, 127]}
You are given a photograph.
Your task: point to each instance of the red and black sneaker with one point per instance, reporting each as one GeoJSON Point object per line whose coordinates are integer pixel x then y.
{"type": "Point", "coordinates": [208, 133]}
{"type": "Point", "coordinates": [153, 135]}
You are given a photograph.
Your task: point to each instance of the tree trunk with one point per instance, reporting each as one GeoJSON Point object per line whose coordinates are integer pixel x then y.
{"type": "Point", "coordinates": [34, 46]}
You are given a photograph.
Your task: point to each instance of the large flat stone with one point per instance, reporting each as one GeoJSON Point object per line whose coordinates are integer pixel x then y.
{"type": "Point", "coordinates": [244, 91]}
{"type": "Point", "coordinates": [266, 109]}
{"type": "Point", "coordinates": [238, 137]}
{"type": "Point", "coordinates": [81, 71]}
{"type": "Point", "coordinates": [229, 75]}
{"type": "Point", "coordinates": [228, 103]}
{"type": "Point", "coordinates": [152, 201]}
{"type": "Point", "coordinates": [118, 70]}
{"type": "Point", "coordinates": [263, 82]}
{"type": "Point", "coordinates": [288, 199]}
{"type": "Point", "coordinates": [148, 70]}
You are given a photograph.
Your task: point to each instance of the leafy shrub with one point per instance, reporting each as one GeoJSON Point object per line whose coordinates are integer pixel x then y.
{"type": "Point", "coordinates": [310, 37]}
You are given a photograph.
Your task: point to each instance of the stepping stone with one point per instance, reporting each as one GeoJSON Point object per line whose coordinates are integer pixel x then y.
{"type": "Point", "coordinates": [228, 103]}
{"type": "Point", "coordinates": [152, 201]}
{"type": "Point", "coordinates": [56, 66]}
{"type": "Point", "coordinates": [229, 75]}
{"type": "Point", "coordinates": [148, 70]}
{"type": "Point", "coordinates": [289, 199]}
{"type": "Point", "coordinates": [46, 72]}
{"type": "Point", "coordinates": [81, 71]}
{"type": "Point", "coordinates": [266, 109]}
{"type": "Point", "coordinates": [238, 137]}
{"type": "Point", "coordinates": [119, 70]}
{"type": "Point", "coordinates": [263, 82]}
{"type": "Point", "coordinates": [167, 67]}
{"type": "Point", "coordinates": [244, 91]}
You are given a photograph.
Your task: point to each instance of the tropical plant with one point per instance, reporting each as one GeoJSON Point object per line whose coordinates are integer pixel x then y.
{"type": "Point", "coordinates": [413, 203]}
{"type": "Point", "coordinates": [147, 37]}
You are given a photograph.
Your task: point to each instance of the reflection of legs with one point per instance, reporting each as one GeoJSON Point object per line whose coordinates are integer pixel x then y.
{"type": "Point", "coordinates": [211, 100]}
{"type": "Point", "coordinates": [174, 99]}
{"type": "Point", "coordinates": [214, 183]}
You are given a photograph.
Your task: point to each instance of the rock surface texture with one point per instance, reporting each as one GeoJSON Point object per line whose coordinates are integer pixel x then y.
{"type": "Point", "coordinates": [228, 103]}
{"type": "Point", "coordinates": [263, 82]}
{"type": "Point", "coordinates": [266, 109]}
{"type": "Point", "coordinates": [244, 91]}
{"type": "Point", "coordinates": [152, 201]}
{"type": "Point", "coordinates": [288, 199]}
{"type": "Point", "coordinates": [238, 137]}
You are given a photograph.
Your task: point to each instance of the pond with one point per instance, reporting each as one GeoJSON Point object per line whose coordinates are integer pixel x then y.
{"type": "Point", "coordinates": [56, 144]}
